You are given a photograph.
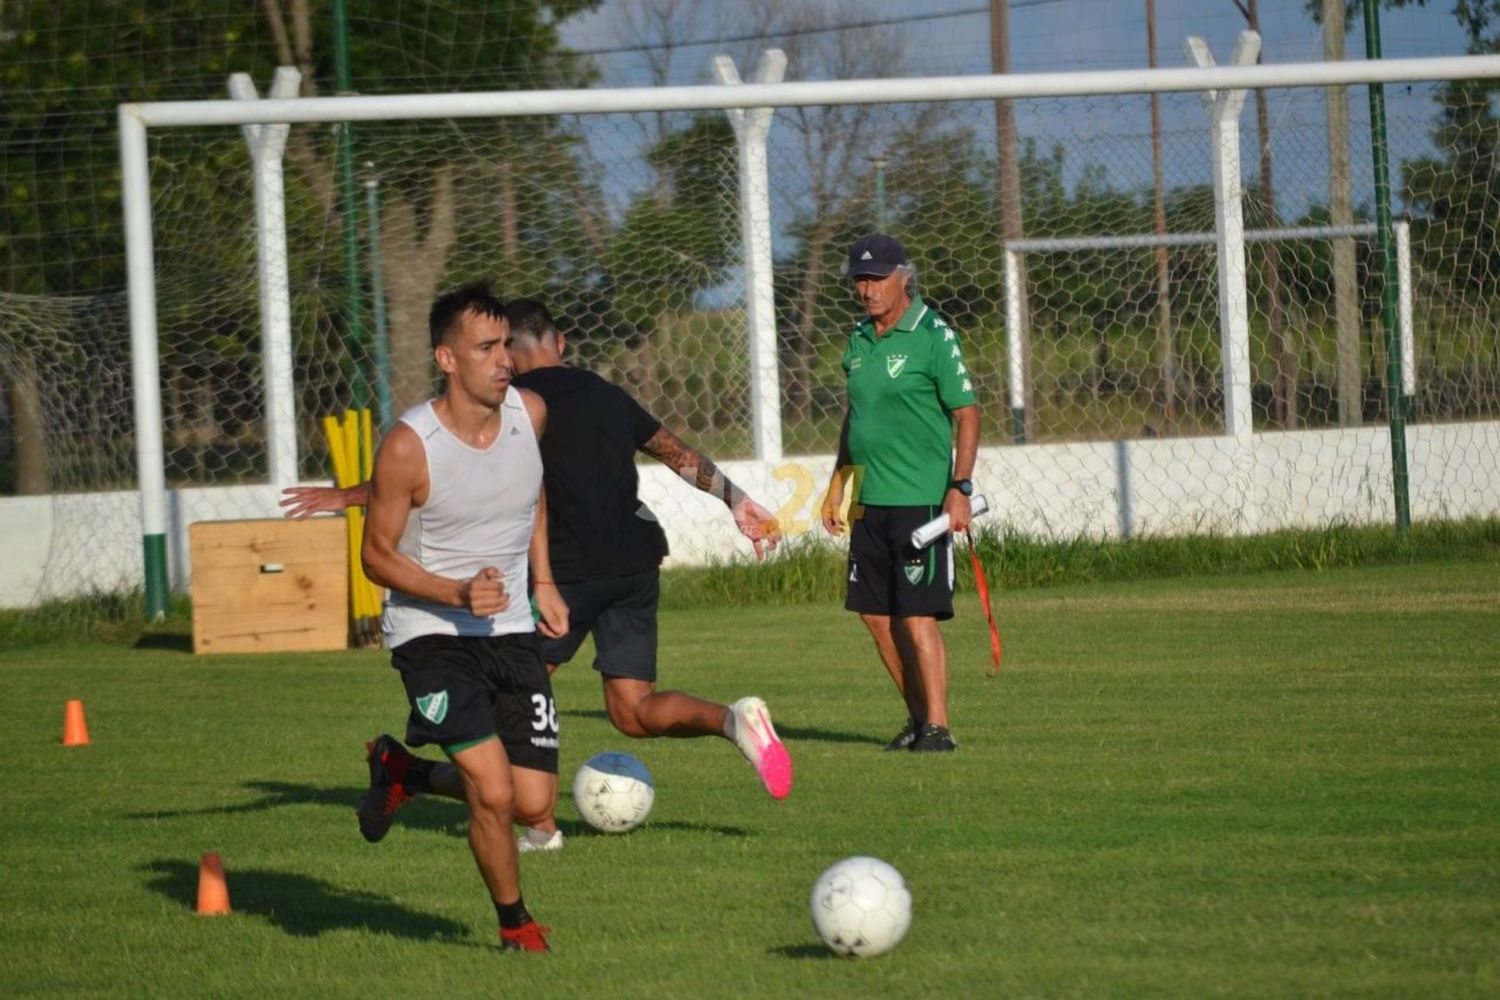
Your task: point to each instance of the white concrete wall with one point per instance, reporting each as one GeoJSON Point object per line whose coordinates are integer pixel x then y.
{"type": "Point", "coordinates": [70, 545]}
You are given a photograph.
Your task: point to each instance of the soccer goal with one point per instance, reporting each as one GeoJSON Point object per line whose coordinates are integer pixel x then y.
{"type": "Point", "coordinates": [691, 241]}
{"type": "Point", "coordinates": [1178, 399]}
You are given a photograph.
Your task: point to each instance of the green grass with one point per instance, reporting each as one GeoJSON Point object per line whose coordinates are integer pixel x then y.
{"type": "Point", "coordinates": [811, 568]}
{"type": "Point", "coordinates": [1277, 784]}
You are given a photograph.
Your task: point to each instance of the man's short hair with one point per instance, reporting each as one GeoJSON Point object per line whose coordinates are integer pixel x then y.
{"type": "Point", "coordinates": [448, 309]}
{"type": "Point", "coordinates": [529, 318]}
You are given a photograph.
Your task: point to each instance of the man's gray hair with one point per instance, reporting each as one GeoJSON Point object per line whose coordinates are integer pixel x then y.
{"type": "Point", "coordinates": [908, 274]}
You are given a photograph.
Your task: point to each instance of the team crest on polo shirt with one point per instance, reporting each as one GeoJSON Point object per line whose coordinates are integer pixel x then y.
{"type": "Point", "coordinates": [894, 364]}
{"type": "Point", "coordinates": [434, 706]}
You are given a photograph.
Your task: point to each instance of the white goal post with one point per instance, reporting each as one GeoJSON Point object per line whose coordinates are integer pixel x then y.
{"type": "Point", "coordinates": [136, 119]}
{"type": "Point", "coordinates": [1016, 305]}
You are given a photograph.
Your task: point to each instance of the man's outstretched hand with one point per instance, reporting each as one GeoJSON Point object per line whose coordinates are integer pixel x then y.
{"type": "Point", "coordinates": [757, 524]}
{"type": "Point", "coordinates": [299, 502]}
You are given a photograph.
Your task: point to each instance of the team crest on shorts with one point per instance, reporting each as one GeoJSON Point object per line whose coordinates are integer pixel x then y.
{"type": "Point", "coordinates": [434, 706]}
{"type": "Point", "coordinates": [913, 572]}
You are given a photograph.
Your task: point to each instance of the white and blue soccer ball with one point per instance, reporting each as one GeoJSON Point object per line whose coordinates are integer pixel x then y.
{"type": "Point", "coordinates": [861, 907]}
{"type": "Point", "coordinates": [613, 792]}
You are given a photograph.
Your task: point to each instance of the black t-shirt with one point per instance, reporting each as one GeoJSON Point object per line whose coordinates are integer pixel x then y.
{"type": "Point", "coordinates": [597, 527]}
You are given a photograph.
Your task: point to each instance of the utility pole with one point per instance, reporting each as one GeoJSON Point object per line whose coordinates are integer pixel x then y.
{"type": "Point", "coordinates": [1379, 150]}
{"type": "Point", "coordinates": [1011, 227]}
{"type": "Point", "coordinates": [1166, 350]}
{"type": "Point", "coordinates": [1346, 313]}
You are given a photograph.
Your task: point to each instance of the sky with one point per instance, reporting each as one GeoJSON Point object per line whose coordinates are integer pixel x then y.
{"type": "Point", "coordinates": [951, 37]}
{"type": "Point", "coordinates": [1047, 35]}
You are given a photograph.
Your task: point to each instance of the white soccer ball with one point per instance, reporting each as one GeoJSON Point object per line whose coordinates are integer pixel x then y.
{"type": "Point", "coordinates": [613, 792]}
{"type": "Point", "coordinates": [861, 907]}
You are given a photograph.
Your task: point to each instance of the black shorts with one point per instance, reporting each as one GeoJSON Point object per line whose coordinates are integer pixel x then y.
{"type": "Point", "coordinates": [465, 689]}
{"type": "Point", "coordinates": [889, 577]}
{"type": "Point", "coordinates": [622, 615]}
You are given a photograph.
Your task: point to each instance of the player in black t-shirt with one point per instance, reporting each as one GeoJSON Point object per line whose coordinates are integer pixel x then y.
{"type": "Point", "coordinates": [606, 547]}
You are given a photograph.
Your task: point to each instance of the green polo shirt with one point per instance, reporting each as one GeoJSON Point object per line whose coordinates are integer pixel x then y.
{"type": "Point", "coordinates": [903, 389]}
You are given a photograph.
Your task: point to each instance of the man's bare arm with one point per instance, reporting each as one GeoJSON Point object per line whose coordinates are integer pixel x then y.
{"type": "Point", "coordinates": [695, 468]}
{"type": "Point", "coordinates": [549, 602]}
{"type": "Point", "coordinates": [833, 497]}
{"type": "Point", "coordinates": [536, 409]}
{"type": "Point", "coordinates": [698, 470]}
{"type": "Point", "coordinates": [965, 450]}
{"type": "Point", "coordinates": [304, 501]}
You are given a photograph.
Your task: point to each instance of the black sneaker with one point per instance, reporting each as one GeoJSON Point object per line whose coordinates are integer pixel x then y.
{"type": "Point", "coordinates": [387, 792]}
{"type": "Point", "coordinates": [933, 739]}
{"type": "Point", "coordinates": [906, 737]}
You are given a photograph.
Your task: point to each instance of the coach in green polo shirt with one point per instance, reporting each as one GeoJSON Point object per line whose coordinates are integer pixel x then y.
{"type": "Point", "coordinates": [909, 392]}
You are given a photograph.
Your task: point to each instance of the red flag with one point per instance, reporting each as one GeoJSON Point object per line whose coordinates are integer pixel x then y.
{"type": "Point", "coordinates": [984, 595]}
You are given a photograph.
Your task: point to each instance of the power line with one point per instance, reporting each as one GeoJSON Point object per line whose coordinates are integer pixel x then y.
{"type": "Point", "coordinates": [826, 29]}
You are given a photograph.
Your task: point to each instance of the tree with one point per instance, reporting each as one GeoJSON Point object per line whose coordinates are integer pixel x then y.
{"type": "Point", "coordinates": [63, 68]}
{"type": "Point", "coordinates": [1454, 195]}
{"type": "Point", "coordinates": [66, 64]}
{"type": "Point", "coordinates": [466, 49]}
{"type": "Point", "coordinates": [675, 240]}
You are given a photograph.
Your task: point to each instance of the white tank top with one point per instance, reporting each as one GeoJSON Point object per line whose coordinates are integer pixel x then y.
{"type": "Point", "coordinates": [480, 507]}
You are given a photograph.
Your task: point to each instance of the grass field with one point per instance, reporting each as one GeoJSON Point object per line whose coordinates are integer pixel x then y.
{"type": "Point", "coordinates": [1278, 784]}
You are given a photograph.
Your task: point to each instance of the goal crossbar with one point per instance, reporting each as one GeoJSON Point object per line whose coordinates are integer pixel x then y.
{"type": "Point", "coordinates": [1147, 241]}
{"type": "Point", "coordinates": [509, 104]}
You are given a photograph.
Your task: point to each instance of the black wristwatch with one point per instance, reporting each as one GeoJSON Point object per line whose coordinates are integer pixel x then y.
{"type": "Point", "coordinates": [964, 486]}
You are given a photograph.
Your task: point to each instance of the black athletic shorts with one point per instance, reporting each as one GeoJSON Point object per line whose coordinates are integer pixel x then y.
{"type": "Point", "coordinates": [889, 577]}
{"type": "Point", "coordinates": [466, 689]}
{"type": "Point", "coordinates": [622, 615]}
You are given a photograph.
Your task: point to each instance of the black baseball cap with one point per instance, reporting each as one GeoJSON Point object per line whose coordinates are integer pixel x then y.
{"type": "Point", "coordinates": [876, 255]}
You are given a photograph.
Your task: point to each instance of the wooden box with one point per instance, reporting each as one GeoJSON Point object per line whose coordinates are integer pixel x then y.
{"type": "Point", "coordinates": [270, 586]}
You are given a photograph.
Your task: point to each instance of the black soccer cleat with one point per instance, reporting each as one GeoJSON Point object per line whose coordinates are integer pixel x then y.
{"type": "Point", "coordinates": [388, 761]}
{"type": "Point", "coordinates": [933, 739]}
{"type": "Point", "coordinates": [906, 737]}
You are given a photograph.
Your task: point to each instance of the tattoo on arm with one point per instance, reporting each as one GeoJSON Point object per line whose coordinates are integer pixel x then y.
{"type": "Point", "coordinates": [695, 468]}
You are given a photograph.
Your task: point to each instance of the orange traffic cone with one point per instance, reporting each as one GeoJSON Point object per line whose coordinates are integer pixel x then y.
{"type": "Point", "coordinates": [213, 891]}
{"type": "Point", "coordinates": [75, 729]}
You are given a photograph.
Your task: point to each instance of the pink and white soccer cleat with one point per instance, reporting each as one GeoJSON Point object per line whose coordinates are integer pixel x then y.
{"type": "Point", "coordinates": [757, 740]}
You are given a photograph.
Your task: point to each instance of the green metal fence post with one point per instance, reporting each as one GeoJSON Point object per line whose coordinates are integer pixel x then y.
{"type": "Point", "coordinates": [1393, 397]}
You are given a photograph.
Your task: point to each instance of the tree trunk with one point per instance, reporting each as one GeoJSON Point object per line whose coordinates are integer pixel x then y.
{"type": "Point", "coordinates": [1283, 356]}
{"type": "Point", "coordinates": [1341, 213]}
{"type": "Point", "coordinates": [510, 271]}
{"type": "Point", "coordinates": [644, 376]}
{"type": "Point", "coordinates": [413, 263]}
{"type": "Point", "coordinates": [799, 366]}
{"type": "Point", "coordinates": [1010, 199]}
{"type": "Point", "coordinates": [33, 466]}
{"type": "Point", "coordinates": [1284, 379]}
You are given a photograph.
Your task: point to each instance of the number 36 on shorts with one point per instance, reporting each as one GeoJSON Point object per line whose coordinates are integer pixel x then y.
{"type": "Point", "coordinates": [544, 718]}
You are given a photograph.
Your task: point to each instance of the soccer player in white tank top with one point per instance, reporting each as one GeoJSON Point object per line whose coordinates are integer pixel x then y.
{"type": "Point", "coordinates": [469, 332]}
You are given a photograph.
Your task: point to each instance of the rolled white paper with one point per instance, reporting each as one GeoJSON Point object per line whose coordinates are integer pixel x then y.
{"type": "Point", "coordinates": [938, 526]}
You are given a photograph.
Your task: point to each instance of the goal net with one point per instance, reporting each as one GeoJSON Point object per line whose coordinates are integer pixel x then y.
{"type": "Point", "coordinates": [630, 225]}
